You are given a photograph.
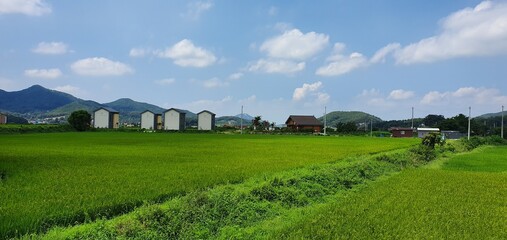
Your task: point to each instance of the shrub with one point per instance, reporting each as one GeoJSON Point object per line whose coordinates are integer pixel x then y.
{"type": "Point", "coordinates": [80, 120]}
{"type": "Point", "coordinates": [432, 139]}
{"type": "Point", "coordinates": [423, 153]}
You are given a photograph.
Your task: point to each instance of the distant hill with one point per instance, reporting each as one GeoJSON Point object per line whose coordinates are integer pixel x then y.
{"type": "Point", "coordinates": [66, 110]}
{"type": "Point", "coordinates": [231, 121]}
{"type": "Point", "coordinates": [127, 105]}
{"type": "Point", "coordinates": [33, 99]}
{"type": "Point", "coordinates": [37, 102]}
{"type": "Point", "coordinates": [491, 115]}
{"type": "Point", "coordinates": [245, 117]}
{"type": "Point", "coordinates": [344, 116]}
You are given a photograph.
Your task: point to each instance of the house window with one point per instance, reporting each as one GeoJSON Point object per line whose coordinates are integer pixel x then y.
{"type": "Point", "coordinates": [402, 132]}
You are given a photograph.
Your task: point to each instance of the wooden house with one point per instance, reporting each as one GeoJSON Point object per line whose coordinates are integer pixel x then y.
{"type": "Point", "coordinates": [174, 119]}
{"type": "Point", "coordinates": [401, 132]}
{"type": "Point", "coordinates": [106, 118]}
{"type": "Point", "coordinates": [205, 120]}
{"type": "Point", "coordinates": [304, 123]}
{"type": "Point", "coordinates": [151, 120]}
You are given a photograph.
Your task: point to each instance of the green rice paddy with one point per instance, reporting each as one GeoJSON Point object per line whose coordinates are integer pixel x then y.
{"type": "Point", "coordinates": [69, 178]}
{"type": "Point", "coordinates": [465, 199]}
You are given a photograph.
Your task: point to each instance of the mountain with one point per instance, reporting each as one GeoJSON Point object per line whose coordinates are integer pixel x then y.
{"type": "Point", "coordinates": [67, 109]}
{"type": "Point", "coordinates": [491, 115]}
{"type": "Point", "coordinates": [34, 99]}
{"type": "Point", "coordinates": [353, 116]}
{"type": "Point", "coordinates": [231, 121]}
{"type": "Point", "coordinates": [245, 117]}
{"type": "Point", "coordinates": [127, 105]}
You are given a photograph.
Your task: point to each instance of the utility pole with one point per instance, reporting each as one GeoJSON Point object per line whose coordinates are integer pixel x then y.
{"type": "Point", "coordinates": [502, 124]}
{"type": "Point", "coordinates": [325, 119]}
{"type": "Point", "coordinates": [469, 115]}
{"type": "Point", "coordinates": [412, 118]}
{"type": "Point", "coordinates": [241, 125]}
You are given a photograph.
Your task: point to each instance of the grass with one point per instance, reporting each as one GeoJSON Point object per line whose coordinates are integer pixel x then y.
{"type": "Point", "coordinates": [463, 200]}
{"type": "Point", "coordinates": [485, 160]}
{"type": "Point", "coordinates": [68, 178]}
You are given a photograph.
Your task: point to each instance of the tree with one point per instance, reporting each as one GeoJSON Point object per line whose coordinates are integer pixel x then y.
{"type": "Point", "coordinates": [80, 120]}
{"type": "Point", "coordinates": [348, 127]}
{"type": "Point", "coordinates": [256, 122]}
{"type": "Point", "coordinates": [433, 120]}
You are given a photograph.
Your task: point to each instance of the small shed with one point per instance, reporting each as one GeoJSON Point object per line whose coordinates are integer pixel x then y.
{"type": "Point", "coordinates": [452, 134]}
{"type": "Point", "coordinates": [105, 117]}
{"type": "Point", "coordinates": [3, 118]}
{"type": "Point", "coordinates": [401, 132]}
{"type": "Point", "coordinates": [422, 132]}
{"type": "Point", "coordinates": [205, 120]}
{"type": "Point", "coordinates": [151, 120]}
{"type": "Point", "coordinates": [304, 123]}
{"type": "Point", "coordinates": [174, 119]}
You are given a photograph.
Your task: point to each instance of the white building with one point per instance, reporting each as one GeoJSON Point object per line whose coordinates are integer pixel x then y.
{"type": "Point", "coordinates": [151, 120]}
{"type": "Point", "coordinates": [205, 120]}
{"type": "Point", "coordinates": [106, 118]}
{"type": "Point", "coordinates": [174, 119]}
{"type": "Point", "coordinates": [422, 132]}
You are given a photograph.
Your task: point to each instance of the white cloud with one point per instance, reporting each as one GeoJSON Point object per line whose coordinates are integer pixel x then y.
{"type": "Point", "coordinates": [373, 97]}
{"type": "Point", "coordinates": [69, 89]}
{"type": "Point", "coordinates": [186, 54]}
{"type": "Point", "coordinates": [51, 48]}
{"type": "Point", "coordinates": [44, 73]}
{"type": "Point", "coordinates": [100, 67]}
{"type": "Point", "coordinates": [165, 81]}
{"type": "Point", "coordinates": [400, 94]}
{"type": "Point", "coordinates": [340, 64]}
{"type": "Point", "coordinates": [273, 11]}
{"type": "Point", "coordinates": [250, 99]}
{"type": "Point", "coordinates": [27, 7]}
{"type": "Point", "coordinates": [139, 52]}
{"type": "Point", "coordinates": [276, 66]}
{"type": "Point", "coordinates": [479, 31]}
{"type": "Point", "coordinates": [195, 9]}
{"type": "Point", "coordinates": [214, 83]}
{"type": "Point", "coordinates": [381, 54]}
{"type": "Point", "coordinates": [295, 45]}
{"type": "Point", "coordinates": [236, 76]}
{"type": "Point", "coordinates": [465, 96]}
{"type": "Point", "coordinates": [300, 93]}
{"type": "Point", "coordinates": [212, 105]}
{"type": "Point", "coordinates": [322, 98]}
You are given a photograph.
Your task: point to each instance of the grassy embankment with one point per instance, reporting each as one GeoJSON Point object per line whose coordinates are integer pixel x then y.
{"type": "Point", "coordinates": [70, 178]}
{"type": "Point", "coordinates": [462, 198]}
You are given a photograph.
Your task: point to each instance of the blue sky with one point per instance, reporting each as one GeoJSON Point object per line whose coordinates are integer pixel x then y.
{"type": "Point", "coordinates": [275, 58]}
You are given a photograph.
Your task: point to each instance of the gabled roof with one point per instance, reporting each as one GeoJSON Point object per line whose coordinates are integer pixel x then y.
{"type": "Point", "coordinates": [107, 109]}
{"type": "Point", "coordinates": [400, 129]}
{"type": "Point", "coordinates": [176, 109]}
{"type": "Point", "coordinates": [304, 120]}
{"type": "Point", "coordinates": [151, 112]}
{"type": "Point", "coordinates": [205, 111]}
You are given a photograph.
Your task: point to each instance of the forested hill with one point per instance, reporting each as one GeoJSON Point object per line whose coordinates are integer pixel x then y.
{"type": "Point", "coordinates": [336, 117]}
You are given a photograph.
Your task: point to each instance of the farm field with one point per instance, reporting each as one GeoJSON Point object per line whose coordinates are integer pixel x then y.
{"type": "Point", "coordinates": [67, 178]}
{"type": "Point", "coordinates": [463, 199]}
